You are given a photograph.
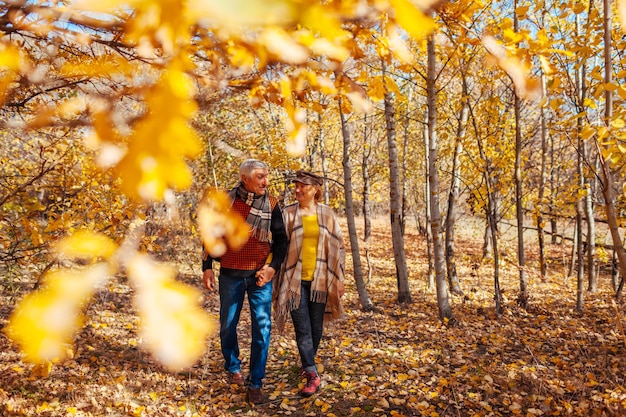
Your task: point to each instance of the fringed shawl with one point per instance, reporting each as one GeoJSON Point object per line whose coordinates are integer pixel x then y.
{"type": "Point", "coordinates": [329, 266]}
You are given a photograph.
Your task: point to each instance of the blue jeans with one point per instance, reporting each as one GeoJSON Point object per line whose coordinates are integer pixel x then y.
{"type": "Point", "coordinates": [232, 291]}
{"type": "Point", "coordinates": [308, 322]}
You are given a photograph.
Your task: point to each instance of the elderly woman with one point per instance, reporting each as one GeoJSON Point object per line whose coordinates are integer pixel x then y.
{"type": "Point", "coordinates": [311, 280]}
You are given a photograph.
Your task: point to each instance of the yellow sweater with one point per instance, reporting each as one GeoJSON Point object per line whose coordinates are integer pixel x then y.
{"type": "Point", "coordinates": [309, 246]}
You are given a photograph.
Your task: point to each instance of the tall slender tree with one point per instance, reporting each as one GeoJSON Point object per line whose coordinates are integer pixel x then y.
{"type": "Point", "coordinates": [443, 301]}
{"type": "Point", "coordinates": [519, 203]}
{"type": "Point", "coordinates": [395, 197]}
{"type": "Point", "coordinates": [366, 302]}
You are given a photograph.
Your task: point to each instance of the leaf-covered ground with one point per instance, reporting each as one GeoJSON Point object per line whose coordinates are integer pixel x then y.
{"type": "Point", "coordinates": [398, 360]}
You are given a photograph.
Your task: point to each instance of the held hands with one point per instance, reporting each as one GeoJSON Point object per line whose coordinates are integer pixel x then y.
{"type": "Point", "coordinates": [264, 275]}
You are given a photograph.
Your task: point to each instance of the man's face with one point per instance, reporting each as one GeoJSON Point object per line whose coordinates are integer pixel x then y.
{"type": "Point", "coordinates": [257, 182]}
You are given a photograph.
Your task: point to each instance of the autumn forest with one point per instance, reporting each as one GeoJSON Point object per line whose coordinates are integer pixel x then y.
{"type": "Point", "coordinates": [473, 152]}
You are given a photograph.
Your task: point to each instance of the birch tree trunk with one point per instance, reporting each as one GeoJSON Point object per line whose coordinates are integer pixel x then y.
{"type": "Point", "coordinates": [366, 303]}
{"type": "Point", "coordinates": [322, 151]}
{"type": "Point", "coordinates": [395, 201]}
{"type": "Point", "coordinates": [453, 197]}
{"type": "Point", "coordinates": [607, 186]}
{"type": "Point", "coordinates": [491, 215]}
{"type": "Point", "coordinates": [429, 231]}
{"type": "Point", "coordinates": [592, 277]}
{"type": "Point", "coordinates": [443, 302]}
{"type": "Point", "coordinates": [519, 204]}
{"type": "Point", "coordinates": [405, 145]}
{"type": "Point", "coordinates": [580, 99]}
{"type": "Point", "coordinates": [365, 172]}
{"type": "Point", "coordinates": [543, 267]}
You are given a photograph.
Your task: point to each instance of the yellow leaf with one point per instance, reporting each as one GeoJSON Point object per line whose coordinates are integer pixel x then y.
{"type": "Point", "coordinates": [44, 321]}
{"type": "Point", "coordinates": [41, 369]}
{"type": "Point", "coordinates": [525, 86]}
{"type": "Point", "coordinates": [240, 56]}
{"type": "Point", "coordinates": [239, 15]}
{"type": "Point", "coordinates": [43, 407]}
{"type": "Point", "coordinates": [621, 9]}
{"type": "Point", "coordinates": [12, 63]}
{"type": "Point", "coordinates": [219, 227]}
{"type": "Point", "coordinates": [590, 103]}
{"type": "Point", "coordinates": [85, 244]}
{"type": "Point", "coordinates": [176, 335]}
{"type": "Point", "coordinates": [521, 11]}
{"type": "Point", "coordinates": [377, 89]}
{"type": "Point", "coordinates": [618, 123]}
{"type": "Point", "coordinates": [155, 160]}
{"type": "Point", "coordinates": [416, 23]}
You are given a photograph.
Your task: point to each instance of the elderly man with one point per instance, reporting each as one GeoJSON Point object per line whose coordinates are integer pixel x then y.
{"type": "Point", "coordinates": [249, 270]}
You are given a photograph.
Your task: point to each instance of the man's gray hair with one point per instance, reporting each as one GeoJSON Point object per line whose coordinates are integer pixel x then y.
{"type": "Point", "coordinates": [249, 165]}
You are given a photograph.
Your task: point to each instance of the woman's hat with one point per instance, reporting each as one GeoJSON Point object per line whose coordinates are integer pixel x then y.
{"type": "Point", "coordinates": [310, 178]}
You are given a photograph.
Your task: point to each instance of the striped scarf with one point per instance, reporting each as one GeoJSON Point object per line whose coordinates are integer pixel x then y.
{"type": "Point", "coordinates": [260, 215]}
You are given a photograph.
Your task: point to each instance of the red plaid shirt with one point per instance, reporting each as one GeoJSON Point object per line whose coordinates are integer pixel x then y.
{"type": "Point", "coordinates": [254, 253]}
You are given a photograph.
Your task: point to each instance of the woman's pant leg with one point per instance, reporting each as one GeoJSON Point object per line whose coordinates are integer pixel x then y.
{"type": "Point", "coordinates": [316, 314]}
{"type": "Point", "coordinates": [302, 323]}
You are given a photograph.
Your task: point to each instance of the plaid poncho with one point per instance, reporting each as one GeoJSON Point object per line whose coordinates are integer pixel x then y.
{"type": "Point", "coordinates": [329, 266]}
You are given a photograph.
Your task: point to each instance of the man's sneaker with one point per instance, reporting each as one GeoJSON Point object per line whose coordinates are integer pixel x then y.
{"type": "Point", "coordinates": [236, 378]}
{"type": "Point", "coordinates": [255, 396]}
{"type": "Point", "coordinates": [312, 384]}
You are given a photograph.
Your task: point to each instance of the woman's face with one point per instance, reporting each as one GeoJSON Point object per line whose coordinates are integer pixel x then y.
{"type": "Point", "coordinates": [305, 193]}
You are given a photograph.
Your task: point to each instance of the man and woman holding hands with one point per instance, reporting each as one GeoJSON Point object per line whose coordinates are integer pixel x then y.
{"type": "Point", "coordinates": [293, 259]}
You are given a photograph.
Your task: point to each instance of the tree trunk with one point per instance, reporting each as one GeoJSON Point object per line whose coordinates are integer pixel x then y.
{"type": "Point", "coordinates": [443, 302]}
{"type": "Point", "coordinates": [395, 202]}
{"type": "Point", "coordinates": [592, 277]}
{"type": "Point", "coordinates": [491, 216]}
{"type": "Point", "coordinates": [580, 97]}
{"type": "Point", "coordinates": [405, 145]}
{"type": "Point", "coordinates": [554, 227]}
{"type": "Point", "coordinates": [367, 215]}
{"type": "Point", "coordinates": [366, 303]}
{"type": "Point", "coordinates": [429, 231]}
{"type": "Point", "coordinates": [543, 267]}
{"type": "Point", "coordinates": [519, 203]}
{"type": "Point", "coordinates": [453, 198]}
{"type": "Point", "coordinates": [365, 172]}
{"type": "Point", "coordinates": [607, 186]}
{"type": "Point", "coordinates": [322, 140]}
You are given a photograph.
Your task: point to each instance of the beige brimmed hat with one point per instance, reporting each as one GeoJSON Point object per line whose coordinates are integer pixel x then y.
{"type": "Point", "coordinates": [310, 178]}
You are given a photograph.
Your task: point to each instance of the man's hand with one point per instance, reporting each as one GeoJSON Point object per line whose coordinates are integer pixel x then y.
{"type": "Point", "coordinates": [341, 289]}
{"type": "Point", "coordinates": [208, 277]}
{"type": "Point", "coordinates": [264, 275]}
